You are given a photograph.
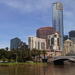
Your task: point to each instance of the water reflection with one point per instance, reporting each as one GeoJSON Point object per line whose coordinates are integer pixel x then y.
{"type": "Point", "coordinates": [37, 69]}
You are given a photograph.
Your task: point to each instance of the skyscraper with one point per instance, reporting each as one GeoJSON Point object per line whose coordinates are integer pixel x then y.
{"type": "Point", "coordinates": [58, 20]}
{"type": "Point", "coordinates": [14, 43]}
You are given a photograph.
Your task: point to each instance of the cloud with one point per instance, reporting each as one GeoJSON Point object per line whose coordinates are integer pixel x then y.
{"type": "Point", "coordinates": [33, 5]}
{"type": "Point", "coordinates": [3, 44]}
{"type": "Point", "coordinates": [43, 5]}
{"type": "Point", "coordinates": [27, 5]}
{"type": "Point", "coordinates": [69, 15]}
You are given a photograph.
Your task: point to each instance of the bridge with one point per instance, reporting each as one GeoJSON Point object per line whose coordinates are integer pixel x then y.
{"type": "Point", "coordinates": [60, 59]}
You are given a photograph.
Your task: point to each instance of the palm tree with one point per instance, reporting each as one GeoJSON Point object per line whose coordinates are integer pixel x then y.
{"type": "Point", "coordinates": [39, 53]}
{"type": "Point", "coordinates": [44, 53]}
{"type": "Point", "coordinates": [6, 48]}
{"type": "Point", "coordinates": [34, 53]}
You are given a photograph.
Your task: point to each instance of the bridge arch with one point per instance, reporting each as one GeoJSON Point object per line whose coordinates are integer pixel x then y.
{"type": "Point", "coordinates": [60, 59]}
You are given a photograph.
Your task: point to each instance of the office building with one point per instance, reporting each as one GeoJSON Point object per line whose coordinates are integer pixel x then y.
{"type": "Point", "coordinates": [65, 37]}
{"type": "Point", "coordinates": [57, 19]}
{"type": "Point", "coordinates": [36, 43]}
{"type": "Point", "coordinates": [23, 45]}
{"type": "Point", "coordinates": [15, 43]}
{"type": "Point", "coordinates": [72, 35]}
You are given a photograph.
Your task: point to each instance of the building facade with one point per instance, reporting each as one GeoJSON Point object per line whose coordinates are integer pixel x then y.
{"type": "Point", "coordinates": [58, 20]}
{"type": "Point", "coordinates": [36, 43]}
{"type": "Point", "coordinates": [44, 32]}
{"type": "Point", "coordinates": [68, 46]}
{"type": "Point", "coordinates": [14, 43]}
{"type": "Point", "coordinates": [54, 42]}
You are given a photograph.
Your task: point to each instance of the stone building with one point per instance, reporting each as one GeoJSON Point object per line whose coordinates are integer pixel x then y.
{"type": "Point", "coordinates": [37, 43]}
{"type": "Point", "coordinates": [54, 42]}
{"type": "Point", "coordinates": [68, 47]}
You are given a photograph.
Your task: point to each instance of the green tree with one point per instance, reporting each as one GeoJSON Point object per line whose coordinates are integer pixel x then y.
{"type": "Point", "coordinates": [39, 53]}
{"type": "Point", "coordinates": [44, 53]}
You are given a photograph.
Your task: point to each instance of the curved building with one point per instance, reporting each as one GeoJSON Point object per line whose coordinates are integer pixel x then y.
{"type": "Point", "coordinates": [44, 32]}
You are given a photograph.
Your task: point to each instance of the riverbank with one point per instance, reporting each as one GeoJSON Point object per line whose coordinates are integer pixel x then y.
{"type": "Point", "coordinates": [26, 63]}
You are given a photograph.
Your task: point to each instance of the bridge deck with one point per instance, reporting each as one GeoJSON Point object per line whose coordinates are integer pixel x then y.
{"type": "Point", "coordinates": [63, 57]}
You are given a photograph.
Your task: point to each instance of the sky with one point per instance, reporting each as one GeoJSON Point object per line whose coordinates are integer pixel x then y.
{"type": "Point", "coordinates": [21, 18]}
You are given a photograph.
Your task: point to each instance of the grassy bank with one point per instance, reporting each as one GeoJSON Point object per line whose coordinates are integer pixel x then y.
{"type": "Point", "coordinates": [26, 63]}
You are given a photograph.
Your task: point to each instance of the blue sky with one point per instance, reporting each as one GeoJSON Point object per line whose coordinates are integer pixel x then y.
{"type": "Point", "coordinates": [21, 18]}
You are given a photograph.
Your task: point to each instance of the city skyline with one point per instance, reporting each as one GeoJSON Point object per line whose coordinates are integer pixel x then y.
{"type": "Point", "coordinates": [21, 19]}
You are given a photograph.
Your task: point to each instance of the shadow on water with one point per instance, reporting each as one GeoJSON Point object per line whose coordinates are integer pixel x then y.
{"type": "Point", "coordinates": [38, 69]}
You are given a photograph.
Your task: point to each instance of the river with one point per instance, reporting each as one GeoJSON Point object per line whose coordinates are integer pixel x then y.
{"type": "Point", "coordinates": [38, 69]}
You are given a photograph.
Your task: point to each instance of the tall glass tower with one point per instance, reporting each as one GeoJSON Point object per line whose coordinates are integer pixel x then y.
{"type": "Point", "coordinates": [58, 20]}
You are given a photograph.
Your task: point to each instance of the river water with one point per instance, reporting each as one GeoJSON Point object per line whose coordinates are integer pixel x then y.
{"type": "Point", "coordinates": [38, 69]}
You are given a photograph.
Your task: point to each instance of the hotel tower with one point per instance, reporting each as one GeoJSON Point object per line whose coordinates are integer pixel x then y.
{"type": "Point", "coordinates": [57, 20]}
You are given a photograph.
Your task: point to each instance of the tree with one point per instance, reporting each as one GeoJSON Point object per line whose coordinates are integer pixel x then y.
{"type": "Point", "coordinates": [39, 53]}
{"type": "Point", "coordinates": [6, 48]}
{"type": "Point", "coordinates": [44, 53]}
{"type": "Point", "coordinates": [34, 52]}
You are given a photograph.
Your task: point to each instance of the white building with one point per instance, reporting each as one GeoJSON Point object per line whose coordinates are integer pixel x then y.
{"type": "Point", "coordinates": [36, 43]}
{"type": "Point", "coordinates": [54, 42]}
{"type": "Point", "coordinates": [68, 46]}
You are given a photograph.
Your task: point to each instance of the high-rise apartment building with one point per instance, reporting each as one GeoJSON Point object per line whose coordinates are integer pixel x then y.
{"type": "Point", "coordinates": [14, 43]}
{"type": "Point", "coordinates": [58, 19]}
